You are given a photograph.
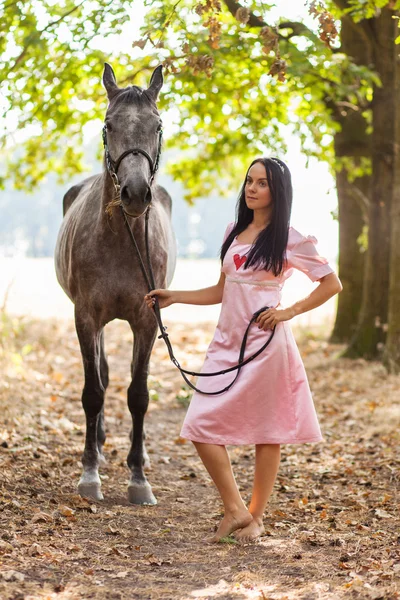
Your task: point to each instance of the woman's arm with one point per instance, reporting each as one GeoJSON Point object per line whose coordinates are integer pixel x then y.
{"type": "Point", "coordinates": [210, 295]}
{"type": "Point", "coordinates": [329, 286]}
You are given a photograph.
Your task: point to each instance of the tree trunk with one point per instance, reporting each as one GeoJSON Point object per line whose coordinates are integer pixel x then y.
{"type": "Point", "coordinates": [352, 141]}
{"type": "Point", "coordinates": [370, 335]}
{"type": "Point", "coordinates": [352, 216]}
{"type": "Point", "coordinates": [391, 355]}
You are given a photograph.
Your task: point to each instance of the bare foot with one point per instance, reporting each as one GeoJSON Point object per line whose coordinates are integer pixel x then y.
{"type": "Point", "coordinates": [231, 521]}
{"type": "Point", "coordinates": [251, 532]}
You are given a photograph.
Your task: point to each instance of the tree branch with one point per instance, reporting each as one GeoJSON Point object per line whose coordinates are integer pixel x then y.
{"type": "Point", "coordinates": [363, 28]}
{"type": "Point", "coordinates": [254, 21]}
{"type": "Point", "coordinates": [298, 29]}
{"type": "Point", "coordinates": [32, 36]}
{"type": "Point", "coordinates": [62, 17]}
{"type": "Point", "coordinates": [10, 4]}
{"type": "Point", "coordinates": [132, 76]}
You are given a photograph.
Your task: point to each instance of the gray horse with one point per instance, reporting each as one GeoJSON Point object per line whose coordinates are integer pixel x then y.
{"type": "Point", "coordinates": [98, 268]}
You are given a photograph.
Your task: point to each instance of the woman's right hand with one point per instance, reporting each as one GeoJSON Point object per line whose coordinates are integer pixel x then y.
{"type": "Point", "coordinates": [164, 298]}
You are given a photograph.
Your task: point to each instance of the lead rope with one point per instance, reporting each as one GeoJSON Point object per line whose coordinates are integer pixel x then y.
{"type": "Point", "coordinates": [151, 285]}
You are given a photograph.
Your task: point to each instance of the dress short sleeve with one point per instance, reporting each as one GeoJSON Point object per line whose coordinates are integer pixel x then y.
{"type": "Point", "coordinates": [303, 255]}
{"type": "Point", "coordinates": [228, 230]}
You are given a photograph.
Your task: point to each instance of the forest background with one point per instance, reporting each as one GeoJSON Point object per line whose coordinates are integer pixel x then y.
{"type": "Point", "coordinates": [234, 81]}
{"type": "Point", "coordinates": [241, 78]}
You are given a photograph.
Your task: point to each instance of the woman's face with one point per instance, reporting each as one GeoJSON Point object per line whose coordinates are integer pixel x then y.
{"type": "Point", "coordinates": [257, 192]}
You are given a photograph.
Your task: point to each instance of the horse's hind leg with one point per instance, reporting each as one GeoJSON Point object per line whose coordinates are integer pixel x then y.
{"type": "Point", "coordinates": [101, 432]}
{"type": "Point", "coordinates": [139, 489]}
{"type": "Point", "coordinates": [101, 437]}
{"type": "Point", "coordinates": [93, 401]}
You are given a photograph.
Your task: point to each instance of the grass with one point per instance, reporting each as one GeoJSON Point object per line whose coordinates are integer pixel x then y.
{"type": "Point", "coordinates": [184, 395]}
{"type": "Point", "coordinates": [11, 329]}
{"type": "Point", "coordinates": [229, 539]}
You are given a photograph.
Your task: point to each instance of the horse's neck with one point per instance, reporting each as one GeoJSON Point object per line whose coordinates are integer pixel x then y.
{"type": "Point", "coordinates": [111, 216]}
{"type": "Point", "coordinates": [109, 196]}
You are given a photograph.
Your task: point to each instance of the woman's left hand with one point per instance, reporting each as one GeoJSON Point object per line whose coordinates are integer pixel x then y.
{"type": "Point", "coordinates": [272, 316]}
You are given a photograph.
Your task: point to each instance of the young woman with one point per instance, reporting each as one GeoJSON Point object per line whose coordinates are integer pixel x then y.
{"type": "Point", "coordinates": [270, 403]}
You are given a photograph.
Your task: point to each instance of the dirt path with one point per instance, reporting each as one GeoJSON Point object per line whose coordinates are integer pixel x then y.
{"type": "Point", "coordinates": [332, 528]}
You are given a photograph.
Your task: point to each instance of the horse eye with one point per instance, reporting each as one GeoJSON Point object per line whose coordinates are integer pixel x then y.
{"type": "Point", "coordinates": [109, 126]}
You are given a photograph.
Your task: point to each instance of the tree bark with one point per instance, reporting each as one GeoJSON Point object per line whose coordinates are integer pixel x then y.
{"type": "Point", "coordinates": [352, 141]}
{"type": "Point", "coordinates": [352, 217]}
{"type": "Point", "coordinates": [391, 355]}
{"type": "Point", "coordinates": [368, 341]}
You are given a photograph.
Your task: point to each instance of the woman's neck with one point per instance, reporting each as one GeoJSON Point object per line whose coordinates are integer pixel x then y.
{"type": "Point", "coordinates": [257, 224]}
{"type": "Point", "coordinates": [261, 219]}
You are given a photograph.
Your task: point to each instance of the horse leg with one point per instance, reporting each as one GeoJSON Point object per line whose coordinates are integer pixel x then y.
{"type": "Point", "coordinates": [101, 433]}
{"type": "Point", "coordinates": [139, 489]}
{"type": "Point", "coordinates": [146, 457]}
{"type": "Point", "coordinates": [93, 402]}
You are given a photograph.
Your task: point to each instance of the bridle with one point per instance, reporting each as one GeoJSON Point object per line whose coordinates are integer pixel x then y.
{"type": "Point", "coordinates": [112, 168]}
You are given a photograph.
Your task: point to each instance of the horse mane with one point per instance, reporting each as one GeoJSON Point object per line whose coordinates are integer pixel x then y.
{"type": "Point", "coordinates": [133, 94]}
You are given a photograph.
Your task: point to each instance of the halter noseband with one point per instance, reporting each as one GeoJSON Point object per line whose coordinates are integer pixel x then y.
{"type": "Point", "coordinates": [113, 166]}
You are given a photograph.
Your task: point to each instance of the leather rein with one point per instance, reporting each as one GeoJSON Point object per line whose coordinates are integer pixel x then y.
{"type": "Point", "coordinates": [112, 168]}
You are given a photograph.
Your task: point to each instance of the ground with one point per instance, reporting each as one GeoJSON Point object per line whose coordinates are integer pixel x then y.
{"type": "Point", "coordinates": [332, 525]}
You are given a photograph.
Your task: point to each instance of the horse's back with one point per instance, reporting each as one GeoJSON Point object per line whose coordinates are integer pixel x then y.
{"type": "Point", "coordinates": [165, 200]}
{"type": "Point", "coordinates": [73, 209]}
{"type": "Point", "coordinates": [74, 191]}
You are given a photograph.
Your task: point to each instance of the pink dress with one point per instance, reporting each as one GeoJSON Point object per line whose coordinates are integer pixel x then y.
{"type": "Point", "coordinates": [271, 401]}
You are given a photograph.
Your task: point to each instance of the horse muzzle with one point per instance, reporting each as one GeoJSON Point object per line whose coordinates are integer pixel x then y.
{"type": "Point", "coordinates": [135, 198]}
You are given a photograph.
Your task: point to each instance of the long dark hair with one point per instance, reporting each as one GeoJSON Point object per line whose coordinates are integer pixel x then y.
{"type": "Point", "coordinates": [268, 250]}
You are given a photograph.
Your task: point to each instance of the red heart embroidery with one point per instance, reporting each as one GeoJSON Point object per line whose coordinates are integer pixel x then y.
{"type": "Point", "coordinates": [239, 260]}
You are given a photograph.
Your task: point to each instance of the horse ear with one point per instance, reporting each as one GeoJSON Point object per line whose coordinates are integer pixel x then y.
{"type": "Point", "coordinates": [156, 83]}
{"type": "Point", "coordinates": [109, 81]}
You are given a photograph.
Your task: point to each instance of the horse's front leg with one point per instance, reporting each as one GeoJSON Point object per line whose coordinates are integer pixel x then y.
{"type": "Point", "coordinates": [101, 432]}
{"type": "Point", "coordinates": [146, 457]}
{"type": "Point", "coordinates": [89, 336]}
{"type": "Point", "coordinates": [139, 490]}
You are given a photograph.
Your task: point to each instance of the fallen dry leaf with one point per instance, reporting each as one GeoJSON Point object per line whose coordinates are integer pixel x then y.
{"type": "Point", "coordinates": [6, 547]}
{"type": "Point", "coordinates": [66, 511]}
{"type": "Point", "coordinates": [41, 517]}
{"type": "Point", "coordinates": [35, 550]}
{"type": "Point", "coordinates": [12, 576]}
{"type": "Point", "coordinates": [323, 523]}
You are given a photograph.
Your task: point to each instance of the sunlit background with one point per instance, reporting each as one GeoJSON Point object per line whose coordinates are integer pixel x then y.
{"type": "Point", "coordinates": [26, 257]}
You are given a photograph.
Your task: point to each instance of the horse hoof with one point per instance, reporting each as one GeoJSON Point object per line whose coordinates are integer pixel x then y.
{"type": "Point", "coordinates": [102, 460]}
{"type": "Point", "coordinates": [140, 493]}
{"type": "Point", "coordinates": [90, 490]}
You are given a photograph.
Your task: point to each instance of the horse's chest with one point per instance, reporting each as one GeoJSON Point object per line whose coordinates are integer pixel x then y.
{"type": "Point", "coordinates": [125, 289]}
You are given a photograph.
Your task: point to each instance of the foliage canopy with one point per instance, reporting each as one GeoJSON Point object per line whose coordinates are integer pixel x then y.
{"type": "Point", "coordinates": [233, 80]}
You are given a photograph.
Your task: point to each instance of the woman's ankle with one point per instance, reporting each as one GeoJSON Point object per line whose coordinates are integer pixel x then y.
{"type": "Point", "coordinates": [233, 509]}
{"type": "Point", "coordinates": [257, 517]}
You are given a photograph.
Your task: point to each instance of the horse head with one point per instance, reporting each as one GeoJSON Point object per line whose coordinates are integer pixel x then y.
{"type": "Point", "coordinates": [132, 139]}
